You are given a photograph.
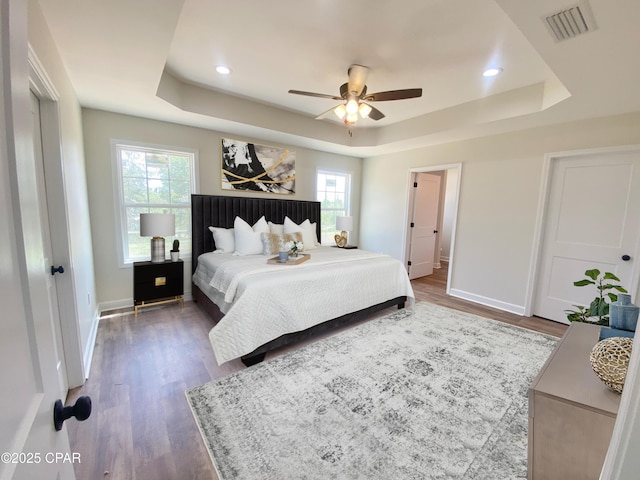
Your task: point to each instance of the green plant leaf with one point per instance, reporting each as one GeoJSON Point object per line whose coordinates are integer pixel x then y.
{"type": "Point", "coordinates": [599, 307]}
{"type": "Point", "coordinates": [582, 283]}
{"type": "Point", "coordinates": [592, 274]}
{"type": "Point", "coordinates": [612, 296]}
{"type": "Point", "coordinates": [610, 276]}
{"type": "Point", "coordinates": [620, 289]}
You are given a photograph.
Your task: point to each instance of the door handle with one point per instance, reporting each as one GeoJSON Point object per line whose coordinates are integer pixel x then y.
{"type": "Point", "coordinates": [55, 270]}
{"type": "Point", "coordinates": [81, 410]}
{"type": "Point", "coordinates": [435, 231]}
{"type": "Point", "coordinates": [626, 258]}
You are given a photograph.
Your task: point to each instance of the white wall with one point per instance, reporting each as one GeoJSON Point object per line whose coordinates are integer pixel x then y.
{"type": "Point", "coordinates": [114, 285]}
{"type": "Point", "coordinates": [499, 195]}
{"type": "Point", "coordinates": [71, 233]}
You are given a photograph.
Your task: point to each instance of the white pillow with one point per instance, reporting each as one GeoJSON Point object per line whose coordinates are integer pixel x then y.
{"type": "Point", "coordinates": [276, 228]}
{"type": "Point", "coordinates": [224, 239]}
{"type": "Point", "coordinates": [247, 238]}
{"type": "Point", "coordinates": [308, 234]}
{"type": "Point", "coordinates": [315, 235]}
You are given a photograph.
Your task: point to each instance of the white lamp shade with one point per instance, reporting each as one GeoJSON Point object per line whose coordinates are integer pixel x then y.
{"type": "Point", "coordinates": [157, 224]}
{"type": "Point", "coordinates": [344, 223]}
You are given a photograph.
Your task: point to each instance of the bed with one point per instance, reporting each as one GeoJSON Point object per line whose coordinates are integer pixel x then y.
{"type": "Point", "coordinates": [258, 307]}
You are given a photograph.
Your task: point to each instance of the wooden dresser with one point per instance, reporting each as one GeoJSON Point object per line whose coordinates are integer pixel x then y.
{"type": "Point", "coordinates": [571, 412]}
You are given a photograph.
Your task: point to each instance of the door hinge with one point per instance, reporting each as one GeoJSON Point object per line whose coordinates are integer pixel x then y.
{"type": "Point", "coordinates": [412, 225]}
{"type": "Point", "coordinates": [409, 263]}
{"type": "Point", "coordinates": [415, 184]}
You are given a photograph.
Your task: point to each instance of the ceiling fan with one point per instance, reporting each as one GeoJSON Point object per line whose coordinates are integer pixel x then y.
{"type": "Point", "coordinates": [355, 97]}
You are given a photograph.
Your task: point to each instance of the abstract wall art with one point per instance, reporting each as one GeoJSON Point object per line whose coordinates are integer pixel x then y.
{"type": "Point", "coordinates": [257, 168]}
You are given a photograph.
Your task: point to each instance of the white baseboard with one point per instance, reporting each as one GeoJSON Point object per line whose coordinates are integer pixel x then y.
{"type": "Point", "coordinates": [115, 304]}
{"type": "Point", "coordinates": [489, 302]}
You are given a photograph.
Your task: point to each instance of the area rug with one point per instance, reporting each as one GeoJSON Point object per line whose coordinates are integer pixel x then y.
{"type": "Point", "coordinates": [429, 394]}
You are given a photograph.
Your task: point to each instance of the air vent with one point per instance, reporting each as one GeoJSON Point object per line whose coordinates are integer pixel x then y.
{"type": "Point", "coordinates": [571, 22]}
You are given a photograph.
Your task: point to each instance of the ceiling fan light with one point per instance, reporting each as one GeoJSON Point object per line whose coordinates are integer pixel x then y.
{"type": "Point", "coordinates": [352, 107]}
{"type": "Point", "coordinates": [364, 110]}
{"type": "Point", "coordinates": [340, 111]}
{"type": "Point", "coordinates": [351, 118]}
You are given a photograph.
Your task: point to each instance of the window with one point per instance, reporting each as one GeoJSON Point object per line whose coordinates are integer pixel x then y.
{"type": "Point", "coordinates": [332, 190]}
{"type": "Point", "coordinates": [153, 180]}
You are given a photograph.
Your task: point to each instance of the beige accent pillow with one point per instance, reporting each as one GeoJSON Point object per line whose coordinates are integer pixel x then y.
{"type": "Point", "coordinates": [272, 243]}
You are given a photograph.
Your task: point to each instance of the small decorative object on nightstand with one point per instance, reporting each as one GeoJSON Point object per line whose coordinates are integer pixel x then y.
{"type": "Point", "coordinates": [610, 361]}
{"type": "Point", "coordinates": [175, 251]}
{"type": "Point", "coordinates": [345, 224]}
{"type": "Point", "coordinates": [157, 283]}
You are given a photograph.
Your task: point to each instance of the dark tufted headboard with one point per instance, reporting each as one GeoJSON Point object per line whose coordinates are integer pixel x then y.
{"type": "Point", "coordinates": [220, 211]}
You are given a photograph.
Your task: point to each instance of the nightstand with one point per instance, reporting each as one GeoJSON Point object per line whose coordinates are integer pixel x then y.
{"type": "Point", "coordinates": [157, 283]}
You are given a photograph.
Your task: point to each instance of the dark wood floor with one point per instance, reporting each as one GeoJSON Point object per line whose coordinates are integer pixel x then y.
{"type": "Point", "coordinates": [141, 426]}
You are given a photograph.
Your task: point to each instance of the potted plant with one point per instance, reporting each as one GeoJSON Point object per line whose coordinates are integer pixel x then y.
{"type": "Point", "coordinates": [175, 251]}
{"type": "Point", "coordinates": [598, 311]}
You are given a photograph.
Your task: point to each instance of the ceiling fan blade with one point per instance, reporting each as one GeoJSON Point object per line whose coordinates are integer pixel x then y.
{"type": "Point", "coordinates": [375, 114]}
{"type": "Point", "coordinates": [357, 78]}
{"type": "Point", "coordinates": [313, 94]}
{"type": "Point", "coordinates": [394, 95]}
{"type": "Point", "coordinates": [325, 114]}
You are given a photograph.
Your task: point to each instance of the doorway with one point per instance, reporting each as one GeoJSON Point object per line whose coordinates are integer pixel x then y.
{"type": "Point", "coordinates": [438, 246]}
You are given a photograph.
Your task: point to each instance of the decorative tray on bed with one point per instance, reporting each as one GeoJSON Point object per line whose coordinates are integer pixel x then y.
{"type": "Point", "coordinates": [302, 257]}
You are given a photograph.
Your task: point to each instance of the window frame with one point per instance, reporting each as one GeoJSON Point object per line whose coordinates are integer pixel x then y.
{"type": "Point", "coordinates": [121, 230]}
{"type": "Point", "coordinates": [348, 188]}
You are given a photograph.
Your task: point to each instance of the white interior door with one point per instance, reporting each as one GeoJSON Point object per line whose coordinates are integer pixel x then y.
{"type": "Point", "coordinates": [424, 224]}
{"type": "Point", "coordinates": [52, 292]}
{"type": "Point", "coordinates": [30, 446]}
{"type": "Point", "coordinates": [592, 221]}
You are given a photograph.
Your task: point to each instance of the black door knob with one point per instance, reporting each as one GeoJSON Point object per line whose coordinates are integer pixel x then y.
{"type": "Point", "coordinates": [626, 258]}
{"type": "Point", "coordinates": [81, 410]}
{"type": "Point", "coordinates": [55, 270]}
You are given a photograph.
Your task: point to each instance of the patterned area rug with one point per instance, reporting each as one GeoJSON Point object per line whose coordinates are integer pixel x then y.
{"type": "Point", "coordinates": [437, 394]}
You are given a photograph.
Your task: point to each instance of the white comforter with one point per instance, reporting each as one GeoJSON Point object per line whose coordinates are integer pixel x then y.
{"type": "Point", "coordinates": [261, 302]}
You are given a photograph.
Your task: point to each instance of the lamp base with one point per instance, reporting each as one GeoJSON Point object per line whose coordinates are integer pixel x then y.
{"type": "Point", "coordinates": [157, 250]}
{"type": "Point", "coordinates": [341, 239]}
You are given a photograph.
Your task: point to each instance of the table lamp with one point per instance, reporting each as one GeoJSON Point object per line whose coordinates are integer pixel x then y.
{"type": "Point", "coordinates": [345, 224]}
{"type": "Point", "coordinates": [157, 226]}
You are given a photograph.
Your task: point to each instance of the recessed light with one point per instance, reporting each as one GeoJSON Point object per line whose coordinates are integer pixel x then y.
{"type": "Point", "coordinates": [492, 72]}
{"type": "Point", "coordinates": [222, 70]}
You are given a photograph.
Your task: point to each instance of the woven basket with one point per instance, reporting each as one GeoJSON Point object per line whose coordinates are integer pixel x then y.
{"type": "Point", "coordinates": [610, 360]}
